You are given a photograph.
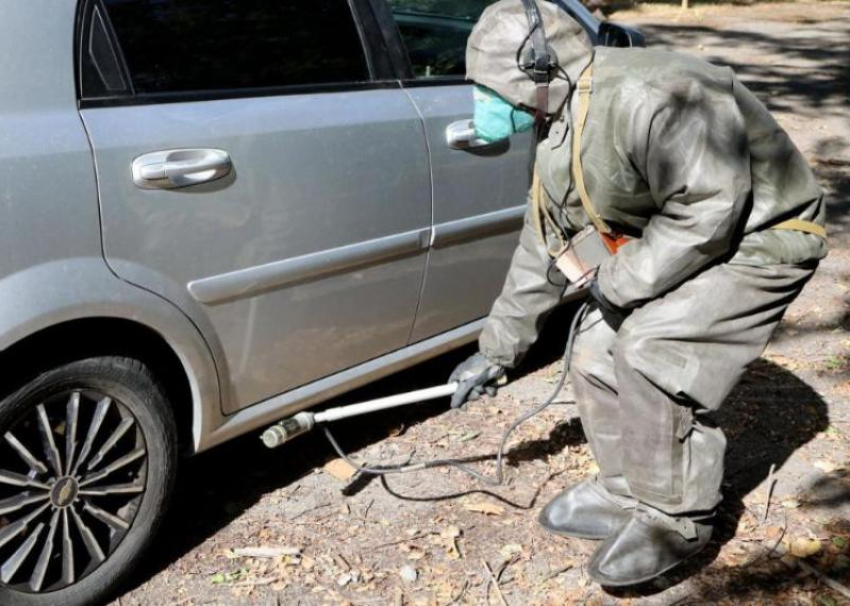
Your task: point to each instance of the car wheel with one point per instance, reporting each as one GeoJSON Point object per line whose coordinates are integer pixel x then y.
{"type": "Point", "coordinates": [87, 462]}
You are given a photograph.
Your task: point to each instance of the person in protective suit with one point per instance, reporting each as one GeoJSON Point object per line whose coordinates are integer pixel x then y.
{"type": "Point", "coordinates": [725, 222]}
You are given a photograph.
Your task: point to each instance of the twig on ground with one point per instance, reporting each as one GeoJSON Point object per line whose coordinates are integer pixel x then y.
{"type": "Point", "coordinates": [549, 477]}
{"type": "Point", "coordinates": [462, 593]}
{"type": "Point", "coordinates": [504, 566]}
{"type": "Point", "coordinates": [829, 582]}
{"type": "Point", "coordinates": [495, 583]}
{"type": "Point", "coordinates": [261, 581]}
{"type": "Point", "coordinates": [556, 573]}
{"type": "Point", "coordinates": [308, 510]}
{"type": "Point", "coordinates": [437, 439]}
{"type": "Point", "coordinates": [776, 544]}
{"type": "Point", "coordinates": [418, 535]}
{"type": "Point", "coordinates": [771, 482]}
{"type": "Point", "coordinates": [366, 511]}
{"type": "Point", "coordinates": [341, 561]}
{"type": "Point", "coordinates": [265, 552]}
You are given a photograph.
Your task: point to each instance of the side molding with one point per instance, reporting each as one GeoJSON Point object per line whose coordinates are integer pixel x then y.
{"type": "Point", "coordinates": [252, 281]}
{"type": "Point", "coordinates": [477, 227]}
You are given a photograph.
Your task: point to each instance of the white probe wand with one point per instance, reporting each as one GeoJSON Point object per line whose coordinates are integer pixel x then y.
{"type": "Point", "coordinates": [303, 422]}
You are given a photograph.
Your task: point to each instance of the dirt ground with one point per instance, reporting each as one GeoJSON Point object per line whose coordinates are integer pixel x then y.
{"type": "Point", "coordinates": [440, 537]}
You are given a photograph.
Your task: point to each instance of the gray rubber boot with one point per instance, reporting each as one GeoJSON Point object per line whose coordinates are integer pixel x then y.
{"type": "Point", "coordinates": [646, 547]}
{"type": "Point", "coordinates": [586, 511]}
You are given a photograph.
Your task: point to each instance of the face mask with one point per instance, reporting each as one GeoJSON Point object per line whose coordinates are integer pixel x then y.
{"type": "Point", "coordinates": [495, 119]}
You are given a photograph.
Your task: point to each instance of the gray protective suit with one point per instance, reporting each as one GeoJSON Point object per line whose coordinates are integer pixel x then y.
{"type": "Point", "coordinates": [680, 155]}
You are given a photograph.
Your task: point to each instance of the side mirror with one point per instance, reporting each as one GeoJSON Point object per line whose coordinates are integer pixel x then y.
{"type": "Point", "coordinates": [614, 34]}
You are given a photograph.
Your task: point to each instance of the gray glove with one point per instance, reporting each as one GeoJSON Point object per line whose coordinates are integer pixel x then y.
{"type": "Point", "coordinates": [613, 315]}
{"type": "Point", "coordinates": [475, 377]}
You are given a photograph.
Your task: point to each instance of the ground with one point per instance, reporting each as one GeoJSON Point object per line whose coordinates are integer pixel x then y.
{"type": "Point", "coordinates": [437, 537]}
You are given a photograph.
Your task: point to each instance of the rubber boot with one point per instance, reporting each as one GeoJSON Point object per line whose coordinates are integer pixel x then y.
{"type": "Point", "coordinates": [647, 546]}
{"type": "Point", "coordinates": [586, 511]}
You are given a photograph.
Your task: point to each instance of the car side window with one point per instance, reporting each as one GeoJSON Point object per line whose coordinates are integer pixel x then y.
{"type": "Point", "coordinates": [435, 33]}
{"type": "Point", "coordinates": [173, 46]}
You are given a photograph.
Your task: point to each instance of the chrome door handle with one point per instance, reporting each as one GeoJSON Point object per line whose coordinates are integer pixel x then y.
{"type": "Point", "coordinates": [461, 135]}
{"type": "Point", "coordinates": [173, 168]}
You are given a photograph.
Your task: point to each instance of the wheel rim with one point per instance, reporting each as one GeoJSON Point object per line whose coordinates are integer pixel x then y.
{"type": "Point", "coordinates": [73, 472]}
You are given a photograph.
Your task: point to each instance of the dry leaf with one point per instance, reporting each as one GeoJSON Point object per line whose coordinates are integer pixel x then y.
{"type": "Point", "coordinates": [490, 509]}
{"type": "Point", "coordinates": [415, 553]}
{"type": "Point", "coordinates": [803, 547]}
{"type": "Point", "coordinates": [826, 466]}
{"type": "Point", "coordinates": [448, 538]}
{"type": "Point", "coordinates": [510, 550]}
{"type": "Point", "coordinates": [340, 469]}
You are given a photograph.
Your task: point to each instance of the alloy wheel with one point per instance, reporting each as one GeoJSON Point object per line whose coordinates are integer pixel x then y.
{"type": "Point", "coordinates": [73, 472]}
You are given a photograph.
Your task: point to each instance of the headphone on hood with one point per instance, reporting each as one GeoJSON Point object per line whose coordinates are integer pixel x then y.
{"type": "Point", "coordinates": [539, 61]}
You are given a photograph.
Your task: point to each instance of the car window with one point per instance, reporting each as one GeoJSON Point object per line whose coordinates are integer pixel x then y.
{"type": "Point", "coordinates": [435, 33]}
{"type": "Point", "coordinates": [207, 45]}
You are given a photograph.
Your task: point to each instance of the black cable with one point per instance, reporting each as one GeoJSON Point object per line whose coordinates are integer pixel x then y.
{"type": "Point", "coordinates": [498, 480]}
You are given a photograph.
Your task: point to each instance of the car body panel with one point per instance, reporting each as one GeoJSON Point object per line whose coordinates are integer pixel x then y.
{"type": "Point", "coordinates": [479, 198]}
{"type": "Point", "coordinates": [62, 291]}
{"type": "Point", "coordinates": [308, 259]}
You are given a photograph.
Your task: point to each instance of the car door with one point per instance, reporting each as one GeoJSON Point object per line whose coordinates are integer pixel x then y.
{"type": "Point", "coordinates": [255, 168]}
{"type": "Point", "coordinates": [479, 191]}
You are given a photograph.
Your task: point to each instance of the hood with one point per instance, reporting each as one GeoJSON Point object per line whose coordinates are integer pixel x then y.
{"type": "Point", "coordinates": [502, 32]}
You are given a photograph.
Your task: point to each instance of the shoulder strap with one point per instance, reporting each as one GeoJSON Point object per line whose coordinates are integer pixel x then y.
{"type": "Point", "coordinates": [541, 214]}
{"type": "Point", "coordinates": [801, 225]}
{"type": "Point", "coordinates": [585, 86]}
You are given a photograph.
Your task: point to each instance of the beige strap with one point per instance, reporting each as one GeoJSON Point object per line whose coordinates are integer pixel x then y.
{"type": "Point", "coordinates": [540, 211]}
{"type": "Point", "coordinates": [801, 225]}
{"type": "Point", "coordinates": [585, 86]}
{"type": "Point", "coordinates": [536, 201]}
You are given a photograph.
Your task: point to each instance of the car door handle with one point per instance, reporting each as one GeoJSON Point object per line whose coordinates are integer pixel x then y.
{"type": "Point", "coordinates": [461, 135]}
{"type": "Point", "coordinates": [173, 168]}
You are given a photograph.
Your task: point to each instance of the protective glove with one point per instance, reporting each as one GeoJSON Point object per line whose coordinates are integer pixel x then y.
{"type": "Point", "coordinates": [476, 376]}
{"type": "Point", "coordinates": [614, 315]}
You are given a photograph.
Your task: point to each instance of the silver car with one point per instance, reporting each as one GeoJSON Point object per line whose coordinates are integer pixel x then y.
{"type": "Point", "coordinates": [216, 213]}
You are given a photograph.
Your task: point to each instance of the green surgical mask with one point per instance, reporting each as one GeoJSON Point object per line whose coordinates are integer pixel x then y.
{"type": "Point", "coordinates": [495, 119]}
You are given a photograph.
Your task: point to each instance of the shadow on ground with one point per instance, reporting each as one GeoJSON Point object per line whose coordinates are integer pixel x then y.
{"type": "Point", "coordinates": [769, 415]}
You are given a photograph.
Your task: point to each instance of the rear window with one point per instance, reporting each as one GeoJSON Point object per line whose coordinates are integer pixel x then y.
{"type": "Point", "coordinates": [207, 45]}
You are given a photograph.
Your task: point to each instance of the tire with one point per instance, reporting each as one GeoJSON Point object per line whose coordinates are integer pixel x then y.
{"type": "Point", "coordinates": [119, 510]}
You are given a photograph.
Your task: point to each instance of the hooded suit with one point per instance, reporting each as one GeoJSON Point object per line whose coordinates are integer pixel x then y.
{"type": "Point", "coordinates": [681, 157]}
